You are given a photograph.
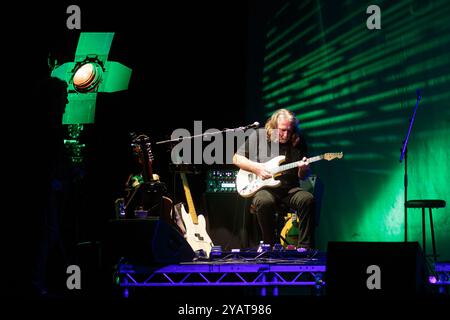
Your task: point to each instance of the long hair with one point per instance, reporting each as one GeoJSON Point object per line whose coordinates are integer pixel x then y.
{"type": "Point", "coordinates": [272, 123]}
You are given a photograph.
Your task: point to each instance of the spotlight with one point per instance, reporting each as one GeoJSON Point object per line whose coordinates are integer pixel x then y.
{"type": "Point", "coordinates": [89, 74]}
{"type": "Point", "coordinates": [87, 77]}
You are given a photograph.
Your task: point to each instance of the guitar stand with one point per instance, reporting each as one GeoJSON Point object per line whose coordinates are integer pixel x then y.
{"type": "Point", "coordinates": [200, 255]}
{"type": "Point", "coordinates": [144, 199]}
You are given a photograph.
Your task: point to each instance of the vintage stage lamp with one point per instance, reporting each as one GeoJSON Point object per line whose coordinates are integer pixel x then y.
{"type": "Point", "coordinates": [90, 73]}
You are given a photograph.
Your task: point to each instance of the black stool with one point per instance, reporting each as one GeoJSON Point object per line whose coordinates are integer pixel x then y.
{"type": "Point", "coordinates": [430, 204]}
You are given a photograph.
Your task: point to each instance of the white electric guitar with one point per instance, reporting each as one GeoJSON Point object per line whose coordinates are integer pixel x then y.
{"type": "Point", "coordinates": [196, 234]}
{"type": "Point", "coordinates": [248, 183]}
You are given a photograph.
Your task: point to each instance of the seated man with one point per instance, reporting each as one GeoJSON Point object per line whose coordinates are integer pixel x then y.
{"type": "Point", "coordinates": [281, 129]}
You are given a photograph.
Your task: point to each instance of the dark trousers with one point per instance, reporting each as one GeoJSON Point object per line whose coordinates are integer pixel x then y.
{"type": "Point", "coordinates": [267, 202]}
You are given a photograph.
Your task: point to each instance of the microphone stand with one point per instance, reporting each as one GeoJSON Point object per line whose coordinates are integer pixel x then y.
{"type": "Point", "coordinates": [226, 130]}
{"type": "Point", "coordinates": [403, 156]}
{"type": "Point", "coordinates": [204, 134]}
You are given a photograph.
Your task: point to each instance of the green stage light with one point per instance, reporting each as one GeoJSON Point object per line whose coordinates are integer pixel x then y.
{"type": "Point", "coordinates": [87, 77]}
{"type": "Point", "coordinates": [89, 74]}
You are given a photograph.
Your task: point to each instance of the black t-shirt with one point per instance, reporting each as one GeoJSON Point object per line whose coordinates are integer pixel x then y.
{"type": "Point", "coordinates": [257, 148]}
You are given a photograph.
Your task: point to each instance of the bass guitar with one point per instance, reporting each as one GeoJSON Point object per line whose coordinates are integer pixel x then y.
{"type": "Point", "coordinates": [195, 224]}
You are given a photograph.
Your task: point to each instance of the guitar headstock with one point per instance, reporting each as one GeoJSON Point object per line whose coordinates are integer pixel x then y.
{"type": "Point", "coordinates": [333, 155]}
{"type": "Point", "coordinates": [143, 148]}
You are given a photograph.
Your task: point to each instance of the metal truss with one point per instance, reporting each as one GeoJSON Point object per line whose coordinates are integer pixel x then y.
{"type": "Point", "coordinates": [268, 273]}
{"type": "Point", "coordinates": [222, 274]}
{"type": "Point", "coordinates": [441, 279]}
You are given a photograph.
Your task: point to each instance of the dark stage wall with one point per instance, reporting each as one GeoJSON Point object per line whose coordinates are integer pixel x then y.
{"type": "Point", "coordinates": [188, 63]}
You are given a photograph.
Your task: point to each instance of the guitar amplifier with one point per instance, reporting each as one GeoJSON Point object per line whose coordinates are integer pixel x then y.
{"type": "Point", "coordinates": [221, 180]}
{"type": "Point", "coordinates": [145, 241]}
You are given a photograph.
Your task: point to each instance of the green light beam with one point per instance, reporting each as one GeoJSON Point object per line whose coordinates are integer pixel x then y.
{"type": "Point", "coordinates": [357, 128]}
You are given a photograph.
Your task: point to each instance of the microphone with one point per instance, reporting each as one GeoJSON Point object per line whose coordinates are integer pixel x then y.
{"type": "Point", "coordinates": [253, 125]}
{"type": "Point", "coordinates": [419, 94]}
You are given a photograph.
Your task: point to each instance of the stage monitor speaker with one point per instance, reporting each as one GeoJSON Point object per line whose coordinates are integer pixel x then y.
{"type": "Point", "coordinates": [229, 223]}
{"type": "Point", "coordinates": [146, 241]}
{"type": "Point", "coordinates": [375, 269]}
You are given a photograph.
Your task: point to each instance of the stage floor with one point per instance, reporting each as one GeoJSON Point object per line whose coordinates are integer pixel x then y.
{"type": "Point", "coordinates": [274, 273]}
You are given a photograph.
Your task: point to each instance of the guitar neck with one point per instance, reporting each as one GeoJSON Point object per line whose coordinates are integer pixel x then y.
{"type": "Point", "coordinates": [147, 171]}
{"type": "Point", "coordinates": [145, 156]}
{"type": "Point", "coordinates": [189, 200]}
{"type": "Point", "coordinates": [294, 164]}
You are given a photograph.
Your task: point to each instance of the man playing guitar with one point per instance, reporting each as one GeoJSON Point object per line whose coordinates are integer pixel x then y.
{"type": "Point", "coordinates": [280, 128]}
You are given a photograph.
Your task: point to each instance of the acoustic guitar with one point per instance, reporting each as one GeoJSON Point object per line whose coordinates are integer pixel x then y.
{"type": "Point", "coordinates": [145, 190]}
